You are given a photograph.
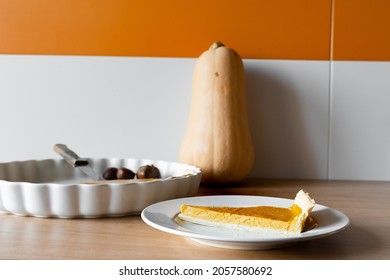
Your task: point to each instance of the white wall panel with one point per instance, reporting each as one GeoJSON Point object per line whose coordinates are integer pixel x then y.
{"type": "Point", "coordinates": [99, 106]}
{"type": "Point", "coordinates": [137, 107]}
{"type": "Point", "coordinates": [360, 135]}
{"type": "Point", "coordinates": [288, 107]}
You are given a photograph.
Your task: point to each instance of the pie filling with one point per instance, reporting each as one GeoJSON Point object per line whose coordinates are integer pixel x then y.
{"type": "Point", "coordinates": [292, 220]}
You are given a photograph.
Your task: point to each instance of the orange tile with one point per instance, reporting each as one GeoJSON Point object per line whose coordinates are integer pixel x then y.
{"type": "Point", "coordinates": [279, 29]}
{"type": "Point", "coordinates": [361, 30]}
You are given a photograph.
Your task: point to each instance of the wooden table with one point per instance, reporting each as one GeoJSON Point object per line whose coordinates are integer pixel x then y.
{"type": "Point", "coordinates": [365, 203]}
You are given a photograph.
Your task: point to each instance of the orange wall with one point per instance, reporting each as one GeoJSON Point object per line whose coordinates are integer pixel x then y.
{"type": "Point", "coordinates": [278, 29]}
{"type": "Point", "coordinates": [361, 30]}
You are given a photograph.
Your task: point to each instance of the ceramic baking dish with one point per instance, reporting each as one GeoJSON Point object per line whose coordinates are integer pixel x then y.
{"type": "Point", "coordinates": [53, 188]}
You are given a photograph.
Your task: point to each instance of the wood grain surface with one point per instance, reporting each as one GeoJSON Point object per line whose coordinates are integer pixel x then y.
{"type": "Point", "coordinates": [365, 203]}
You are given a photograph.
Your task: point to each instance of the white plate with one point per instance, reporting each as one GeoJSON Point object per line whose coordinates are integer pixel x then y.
{"type": "Point", "coordinates": [163, 216]}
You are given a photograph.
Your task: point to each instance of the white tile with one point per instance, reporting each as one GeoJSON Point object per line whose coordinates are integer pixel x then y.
{"type": "Point", "coordinates": [288, 110]}
{"type": "Point", "coordinates": [138, 107]}
{"type": "Point", "coordinates": [360, 124]}
{"type": "Point", "coordinates": [99, 106]}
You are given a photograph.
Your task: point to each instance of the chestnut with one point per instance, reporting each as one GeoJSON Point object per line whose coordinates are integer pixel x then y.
{"type": "Point", "coordinates": [148, 172]}
{"type": "Point", "coordinates": [110, 173]}
{"type": "Point", "coordinates": [124, 174]}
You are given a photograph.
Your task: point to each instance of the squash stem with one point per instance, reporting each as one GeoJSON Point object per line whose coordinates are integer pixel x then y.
{"type": "Point", "coordinates": [216, 45]}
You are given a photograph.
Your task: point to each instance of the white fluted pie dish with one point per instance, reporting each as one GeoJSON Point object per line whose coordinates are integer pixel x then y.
{"type": "Point", "coordinates": [53, 188]}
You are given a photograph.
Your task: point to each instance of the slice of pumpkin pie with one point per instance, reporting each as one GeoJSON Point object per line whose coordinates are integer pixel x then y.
{"type": "Point", "coordinates": [271, 219]}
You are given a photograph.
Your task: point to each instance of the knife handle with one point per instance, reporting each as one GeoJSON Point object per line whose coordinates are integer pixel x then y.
{"type": "Point", "coordinates": [71, 157]}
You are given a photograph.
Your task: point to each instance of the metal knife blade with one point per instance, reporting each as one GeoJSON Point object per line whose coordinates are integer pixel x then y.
{"type": "Point", "coordinates": [73, 159]}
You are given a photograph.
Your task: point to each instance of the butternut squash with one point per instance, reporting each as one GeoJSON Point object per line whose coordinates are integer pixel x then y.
{"type": "Point", "coordinates": [217, 138]}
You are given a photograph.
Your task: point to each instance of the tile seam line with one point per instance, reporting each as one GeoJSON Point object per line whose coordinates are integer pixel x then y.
{"type": "Point", "coordinates": [330, 90]}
